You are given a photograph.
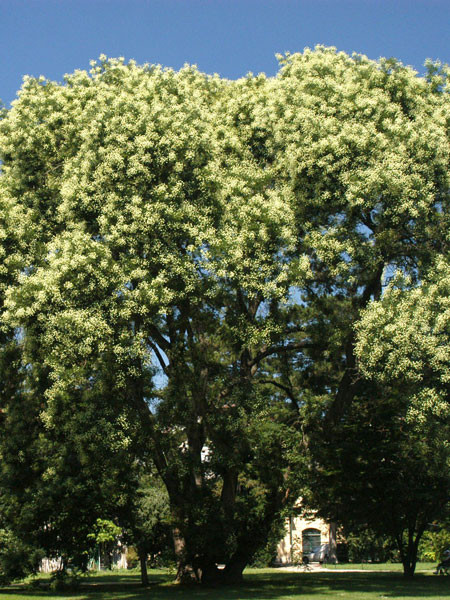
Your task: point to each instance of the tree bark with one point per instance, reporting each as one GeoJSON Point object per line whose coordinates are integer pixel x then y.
{"type": "Point", "coordinates": [202, 570]}
{"type": "Point", "coordinates": [143, 563]}
{"type": "Point", "coordinates": [210, 574]}
{"type": "Point", "coordinates": [235, 568]}
{"type": "Point", "coordinates": [185, 571]}
{"type": "Point", "coordinates": [408, 555]}
{"type": "Point", "coordinates": [332, 554]}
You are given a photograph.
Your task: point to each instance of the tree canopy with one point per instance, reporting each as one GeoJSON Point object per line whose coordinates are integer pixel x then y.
{"type": "Point", "coordinates": [184, 260]}
{"type": "Point", "coordinates": [386, 463]}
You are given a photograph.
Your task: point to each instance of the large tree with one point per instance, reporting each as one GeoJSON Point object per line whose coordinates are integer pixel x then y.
{"type": "Point", "coordinates": [370, 173]}
{"type": "Point", "coordinates": [165, 241]}
{"type": "Point", "coordinates": [64, 460]}
{"type": "Point", "coordinates": [404, 345]}
{"type": "Point", "coordinates": [200, 252]}
{"type": "Point", "coordinates": [386, 464]}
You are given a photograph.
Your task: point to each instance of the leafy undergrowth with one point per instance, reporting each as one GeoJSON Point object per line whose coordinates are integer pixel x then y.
{"type": "Point", "coordinates": [259, 584]}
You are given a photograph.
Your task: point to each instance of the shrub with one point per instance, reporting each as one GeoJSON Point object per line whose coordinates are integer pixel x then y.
{"type": "Point", "coordinates": [366, 546]}
{"type": "Point", "coordinates": [63, 580]}
{"type": "Point", "coordinates": [132, 558]}
{"type": "Point", "coordinates": [433, 544]}
{"type": "Point", "coordinates": [17, 559]}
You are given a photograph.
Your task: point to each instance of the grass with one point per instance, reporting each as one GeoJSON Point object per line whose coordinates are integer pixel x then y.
{"type": "Point", "coordinates": [391, 567]}
{"type": "Point", "coordinates": [259, 584]}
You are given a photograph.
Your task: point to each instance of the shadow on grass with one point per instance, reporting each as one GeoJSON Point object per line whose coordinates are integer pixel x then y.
{"type": "Point", "coordinates": [256, 586]}
{"type": "Point", "coordinates": [355, 585]}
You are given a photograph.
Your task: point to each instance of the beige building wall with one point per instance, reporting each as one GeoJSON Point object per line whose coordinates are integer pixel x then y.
{"type": "Point", "coordinates": [290, 548]}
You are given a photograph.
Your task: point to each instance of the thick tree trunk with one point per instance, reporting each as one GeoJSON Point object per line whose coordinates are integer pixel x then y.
{"type": "Point", "coordinates": [202, 570]}
{"type": "Point", "coordinates": [408, 553]}
{"type": "Point", "coordinates": [210, 574]}
{"type": "Point", "coordinates": [332, 553]}
{"type": "Point", "coordinates": [235, 568]}
{"type": "Point", "coordinates": [228, 495]}
{"type": "Point", "coordinates": [409, 568]}
{"type": "Point", "coordinates": [143, 563]}
{"type": "Point", "coordinates": [185, 571]}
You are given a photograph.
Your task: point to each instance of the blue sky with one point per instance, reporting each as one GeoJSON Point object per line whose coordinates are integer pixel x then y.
{"type": "Point", "coordinates": [230, 37]}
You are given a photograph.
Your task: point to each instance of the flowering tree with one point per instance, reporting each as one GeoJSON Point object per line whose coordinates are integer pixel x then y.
{"type": "Point", "coordinates": [368, 206]}
{"type": "Point", "coordinates": [388, 468]}
{"type": "Point", "coordinates": [194, 252]}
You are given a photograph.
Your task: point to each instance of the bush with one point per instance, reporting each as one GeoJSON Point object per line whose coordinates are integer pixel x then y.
{"type": "Point", "coordinates": [366, 546]}
{"type": "Point", "coordinates": [433, 544]}
{"type": "Point", "coordinates": [63, 580]}
{"type": "Point", "coordinates": [17, 559]}
{"type": "Point", "coordinates": [265, 556]}
{"type": "Point", "coordinates": [132, 558]}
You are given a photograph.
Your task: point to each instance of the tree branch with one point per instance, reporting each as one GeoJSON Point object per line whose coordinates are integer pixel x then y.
{"type": "Point", "coordinates": [158, 354]}
{"type": "Point", "coordinates": [159, 338]}
{"type": "Point", "coordinates": [285, 389]}
{"type": "Point", "coordinates": [276, 349]}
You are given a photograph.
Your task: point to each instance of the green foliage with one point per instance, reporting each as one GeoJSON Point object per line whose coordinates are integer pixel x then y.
{"type": "Point", "coordinates": [265, 556]}
{"type": "Point", "coordinates": [183, 262]}
{"type": "Point", "coordinates": [149, 529]}
{"type": "Point", "coordinates": [58, 479]}
{"type": "Point", "coordinates": [17, 559]}
{"type": "Point", "coordinates": [404, 340]}
{"type": "Point", "coordinates": [365, 545]}
{"type": "Point", "coordinates": [433, 544]}
{"type": "Point", "coordinates": [379, 471]}
{"type": "Point", "coordinates": [132, 558]}
{"type": "Point", "coordinates": [105, 535]}
{"type": "Point", "coordinates": [105, 532]}
{"type": "Point", "coordinates": [392, 439]}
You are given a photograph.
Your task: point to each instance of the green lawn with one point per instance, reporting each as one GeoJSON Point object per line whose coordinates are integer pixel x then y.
{"type": "Point", "coordinates": [259, 584]}
{"type": "Point", "coordinates": [392, 567]}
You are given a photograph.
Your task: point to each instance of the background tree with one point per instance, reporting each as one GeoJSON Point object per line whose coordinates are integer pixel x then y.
{"type": "Point", "coordinates": [387, 463]}
{"type": "Point", "coordinates": [149, 529]}
{"type": "Point", "coordinates": [106, 536]}
{"type": "Point", "coordinates": [404, 342]}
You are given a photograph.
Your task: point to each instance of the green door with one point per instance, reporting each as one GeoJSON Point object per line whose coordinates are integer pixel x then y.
{"type": "Point", "coordinates": [310, 540]}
